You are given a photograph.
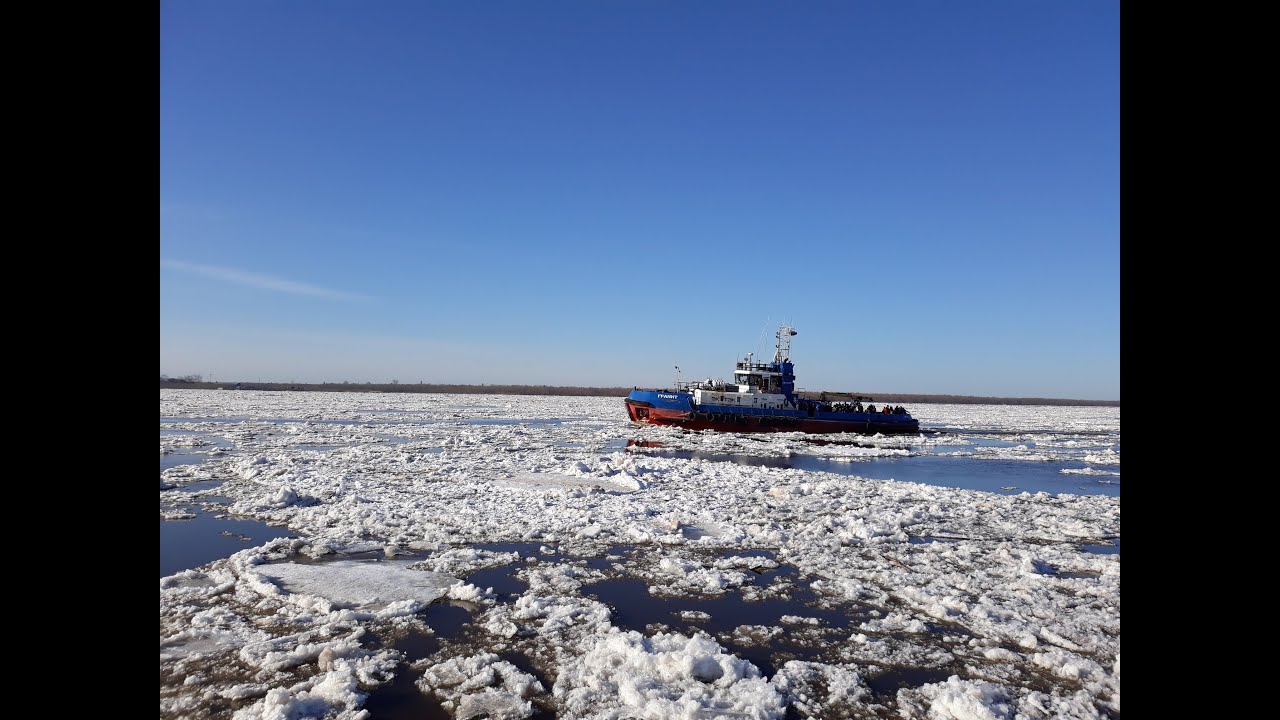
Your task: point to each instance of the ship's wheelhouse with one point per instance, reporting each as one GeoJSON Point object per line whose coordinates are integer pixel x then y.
{"type": "Point", "coordinates": [764, 381]}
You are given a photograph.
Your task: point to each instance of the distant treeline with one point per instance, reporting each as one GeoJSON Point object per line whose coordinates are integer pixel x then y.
{"type": "Point", "coordinates": [195, 383]}
{"type": "Point", "coordinates": [904, 398]}
{"type": "Point", "coordinates": [399, 388]}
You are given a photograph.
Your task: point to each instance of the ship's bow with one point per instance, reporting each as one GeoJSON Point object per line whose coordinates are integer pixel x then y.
{"type": "Point", "coordinates": [656, 406]}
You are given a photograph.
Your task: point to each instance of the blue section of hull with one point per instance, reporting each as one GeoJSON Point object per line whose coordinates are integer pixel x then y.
{"type": "Point", "coordinates": [663, 399]}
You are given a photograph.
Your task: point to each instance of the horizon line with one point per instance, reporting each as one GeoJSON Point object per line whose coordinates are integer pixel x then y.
{"type": "Point", "coordinates": [202, 381]}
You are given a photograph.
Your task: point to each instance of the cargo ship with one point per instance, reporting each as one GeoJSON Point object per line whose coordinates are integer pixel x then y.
{"type": "Point", "coordinates": [762, 397]}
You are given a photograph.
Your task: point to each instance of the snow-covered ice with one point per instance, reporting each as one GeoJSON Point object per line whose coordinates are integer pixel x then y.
{"type": "Point", "coordinates": [364, 585]}
{"type": "Point", "coordinates": [992, 596]}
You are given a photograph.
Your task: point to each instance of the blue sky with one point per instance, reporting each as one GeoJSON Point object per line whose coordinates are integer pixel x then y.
{"type": "Point", "coordinates": [590, 193]}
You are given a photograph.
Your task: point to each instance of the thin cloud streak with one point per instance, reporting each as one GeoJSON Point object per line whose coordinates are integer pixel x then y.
{"type": "Point", "coordinates": [260, 281]}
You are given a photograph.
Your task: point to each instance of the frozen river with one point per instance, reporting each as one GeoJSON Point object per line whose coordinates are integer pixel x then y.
{"type": "Point", "coordinates": [405, 555]}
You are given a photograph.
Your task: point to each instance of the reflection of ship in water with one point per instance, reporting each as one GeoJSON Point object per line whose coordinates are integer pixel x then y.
{"type": "Point", "coordinates": [762, 398]}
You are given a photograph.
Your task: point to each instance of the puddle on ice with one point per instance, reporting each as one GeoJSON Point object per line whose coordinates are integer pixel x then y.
{"type": "Point", "coordinates": [187, 453]}
{"type": "Point", "coordinates": [187, 544]}
{"type": "Point", "coordinates": [604, 561]}
{"type": "Point", "coordinates": [526, 549]}
{"type": "Point", "coordinates": [600, 563]}
{"type": "Point", "coordinates": [175, 432]}
{"type": "Point", "coordinates": [887, 682]}
{"type": "Point", "coordinates": [990, 474]}
{"type": "Point", "coordinates": [507, 586]}
{"type": "Point", "coordinates": [634, 608]}
{"type": "Point", "coordinates": [917, 540]}
{"type": "Point", "coordinates": [502, 580]}
{"type": "Point", "coordinates": [176, 459]}
{"type": "Point", "coordinates": [1082, 575]}
{"type": "Point", "coordinates": [1006, 477]}
{"type": "Point", "coordinates": [1111, 547]}
{"type": "Point", "coordinates": [524, 664]}
{"type": "Point", "coordinates": [401, 699]}
{"type": "Point", "coordinates": [200, 486]}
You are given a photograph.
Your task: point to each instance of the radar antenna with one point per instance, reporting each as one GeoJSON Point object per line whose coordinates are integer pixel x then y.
{"type": "Point", "coordinates": [785, 332]}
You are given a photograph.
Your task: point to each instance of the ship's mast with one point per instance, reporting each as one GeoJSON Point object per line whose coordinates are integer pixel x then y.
{"type": "Point", "coordinates": [784, 343]}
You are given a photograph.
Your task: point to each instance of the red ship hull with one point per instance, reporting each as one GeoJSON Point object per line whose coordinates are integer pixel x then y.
{"type": "Point", "coordinates": [729, 422]}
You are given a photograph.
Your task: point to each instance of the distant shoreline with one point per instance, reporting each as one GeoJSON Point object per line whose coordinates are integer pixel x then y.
{"type": "Point", "coordinates": [179, 384]}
